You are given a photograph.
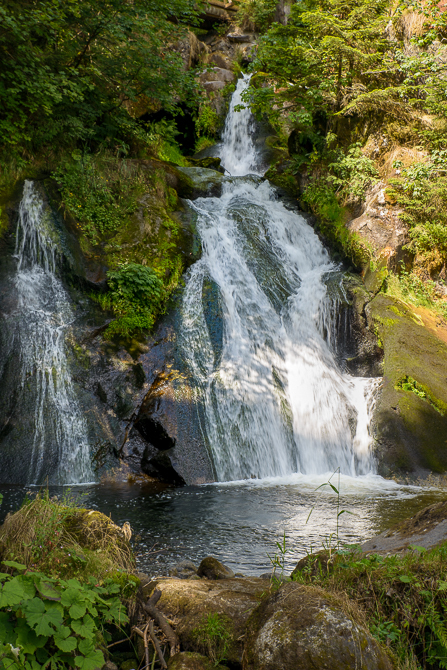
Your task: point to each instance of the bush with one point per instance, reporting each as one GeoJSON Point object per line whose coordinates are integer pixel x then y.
{"type": "Point", "coordinates": [136, 296]}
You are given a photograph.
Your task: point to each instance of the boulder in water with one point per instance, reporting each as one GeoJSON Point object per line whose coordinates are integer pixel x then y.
{"type": "Point", "coordinates": [183, 570]}
{"type": "Point", "coordinates": [302, 627]}
{"type": "Point", "coordinates": [211, 568]}
{"type": "Point", "coordinates": [196, 182]}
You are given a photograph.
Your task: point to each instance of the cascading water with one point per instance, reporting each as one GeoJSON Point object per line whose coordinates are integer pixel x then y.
{"type": "Point", "coordinates": [56, 447]}
{"type": "Point", "coordinates": [238, 152]}
{"type": "Point", "coordinates": [275, 399]}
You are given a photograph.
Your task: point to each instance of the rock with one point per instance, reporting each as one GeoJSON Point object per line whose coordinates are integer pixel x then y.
{"type": "Point", "coordinates": [189, 660]}
{"type": "Point", "coordinates": [219, 59]}
{"type": "Point", "coordinates": [410, 418]}
{"type": "Point", "coordinates": [211, 568]}
{"type": "Point", "coordinates": [183, 570]}
{"type": "Point", "coordinates": [427, 528]}
{"type": "Point", "coordinates": [301, 627]}
{"type": "Point", "coordinates": [211, 162]}
{"type": "Point", "coordinates": [213, 86]}
{"type": "Point", "coordinates": [233, 37]}
{"type": "Point", "coordinates": [217, 74]}
{"type": "Point", "coordinates": [109, 666]}
{"type": "Point", "coordinates": [174, 450]}
{"type": "Point", "coordinates": [191, 602]}
{"type": "Point", "coordinates": [192, 50]}
{"type": "Point", "coordinates": [196, 182]}
{"type": "Point", "coordinates": [381, 226]}
{"type": "Point", "coordinates": [129, 664]}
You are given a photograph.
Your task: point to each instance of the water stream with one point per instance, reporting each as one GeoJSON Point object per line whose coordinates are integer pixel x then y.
{"type": "Point", "coordinates": [55, 446]}
{"type": "Point", "coordinates": [276, 400]}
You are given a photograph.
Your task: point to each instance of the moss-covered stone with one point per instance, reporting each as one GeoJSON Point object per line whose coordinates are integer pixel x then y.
{"type": "Point", "coordinates": [302, 627]}
{"type": "Point", "coordinates": [410, 420]}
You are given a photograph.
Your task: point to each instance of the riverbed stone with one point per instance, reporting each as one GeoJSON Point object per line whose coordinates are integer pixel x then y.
{"type": "Point", "coordinates": [197, 182]}
{"type": "Point", "coordinates": [211, 568]}
{"type": "Point", "coordinates": [302, 627]}
{"type": "Point", "coordinates": [191, 602]}
{"type": "Point", "coordinates": [190, 660]}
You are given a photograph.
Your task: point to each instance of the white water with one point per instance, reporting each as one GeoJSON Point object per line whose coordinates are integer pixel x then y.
{"type": "Point", "coordinates": [275, 400]}
{"type": "Point", "coordinates": [59, 451]}
{"type": "Point", "coordinates": [238, 152]}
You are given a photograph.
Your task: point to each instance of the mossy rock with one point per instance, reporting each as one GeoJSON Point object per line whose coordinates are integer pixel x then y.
{"type": "Point", "coordinates": [196, 182]}
{"type": "Point", "coordinates": [410, 419]}
{"type": "Point", "coordinates": [302, 627]}
{"type": "Point", "coordinates": [189, 660]}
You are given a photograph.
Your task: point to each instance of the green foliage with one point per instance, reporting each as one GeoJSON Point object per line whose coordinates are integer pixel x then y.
{"type": "Point", "coordinates": [411, 385]}
{"type": "Point", "coordinates": [77, 72]}
{"type": "Point", "coordinates": [331, 221]}
{"type": "Point", "coordinates": [99, 192]}
{"type": "Point", "coordinates": [403, 598]}
{"type": "Point", "coordinates": [214, 637]}
{"type": "Point", "coordinates": [278, 561]}
{"type": "Point", "coordinates": [56, 623]}
{"type": "Point", "coordinates": [256, 14]}
{"type": "Point", "coordinates": [352, 173]}
{"type": "Point", "coordinates": [136, 296]}
{"type": "Point", "coordinates": [207, 122]}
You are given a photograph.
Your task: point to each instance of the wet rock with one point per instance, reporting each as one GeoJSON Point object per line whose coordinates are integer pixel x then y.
{"type": "Point", "coordinates": [196, 182]}
{"type": "Point", "coordinates": [190, 602]}
{"type": "Point", "coordinates": [183, 570]}
{"type": "Point", "coordinates": [301, 627]}
{"type": "Point", "coordinates": [167, 422]}
{"type": "Point", "coordinates": [211, 162]}
{"type": "Point", "coordinates": [189, 660]}
{"type": "Point", "coordinates": [211, 568]}
{"type": "Point", "coordinates": [410, 418]}
{"type": "Point", "coordinates": [427, 528]}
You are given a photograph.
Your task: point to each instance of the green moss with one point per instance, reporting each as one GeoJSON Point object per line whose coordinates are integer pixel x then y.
{"type": "Point", "coordinates": [411, 385]}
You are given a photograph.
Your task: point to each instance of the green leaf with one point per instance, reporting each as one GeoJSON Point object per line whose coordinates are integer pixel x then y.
{"type": "Point", "coordinates": [13, 564]}
{"type": "Point", "coordinates": [86, 628]}
{"type": "Point", "coordinates": [94, 661]}
{"type": "Point", "coordinates": [48, 591]}
{"type": "Point", "coordinates": [43, 620]}
{"type": "Point", "coordinates": [405, 579]}
{"type": "Point", "coordinates": [63, 640]}
{"type": "Point", "coordinates": [12, 593]}
{"type": "Point", "coordinates": [27, 637]}
{"type": "Point", "coordinates": [7, 633]}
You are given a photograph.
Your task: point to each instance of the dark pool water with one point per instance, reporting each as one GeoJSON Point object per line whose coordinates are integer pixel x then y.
{"type": "Point", "coordinates": [240, 522]}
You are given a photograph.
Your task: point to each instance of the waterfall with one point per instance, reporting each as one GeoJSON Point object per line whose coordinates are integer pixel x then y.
{"type": "Point", "coordinates": [238, 151]}
{"type": "Point", "coordinates": [276, 401]}
{"type": "Point", "coordinates": [56, 448]}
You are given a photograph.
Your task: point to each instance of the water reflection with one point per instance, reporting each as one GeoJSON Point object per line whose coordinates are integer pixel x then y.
{"type": "Point", "coordinates": [240, 522]}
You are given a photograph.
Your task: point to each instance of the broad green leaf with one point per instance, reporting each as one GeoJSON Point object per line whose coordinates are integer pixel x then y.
{"type": "Point", "coordinates": [63, 640]}
{"type": "Point", "coordinates": [47, 590]}
{"type": "Point", "coordinates": [7, 633]}
{"type": "Point", "coordinates": [77, 610]}
{"type": "Point", "coordinates": [93, 661]}
{"type": "Point", "coordinates": [405, 579]}
{"type": "Point", "coordinates": [3, 576]}
{"type": "Point", "coordinates": [12, 593]}
{"type": "Point", "coordinates": [44, 621]}
{"type": "Point", "coordinates": [14, 564]}
{"type": "Point", "coordinates": [27, 638]}
{"type": "Point", "coordinates": [85, 628]}
{"type": "Point", "coordinates": [86, 647]}
{"type": "Point", "coordinates": [28, 586]}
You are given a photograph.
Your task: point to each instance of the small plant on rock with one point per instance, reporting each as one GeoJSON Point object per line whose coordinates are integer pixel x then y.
{"type": "Point", "coordinates": [214, 637]}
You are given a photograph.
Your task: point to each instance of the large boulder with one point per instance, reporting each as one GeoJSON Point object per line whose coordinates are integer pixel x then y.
{"type": "Point", "coordinates": [302, 627]}
{"type": "Point", "coordinates": [228, 602]}
{"type": "Point", "coordinates": [410, 419]}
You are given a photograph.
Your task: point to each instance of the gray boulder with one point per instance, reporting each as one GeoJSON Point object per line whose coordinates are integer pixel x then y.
{"type": "Point", "coordinates": [302, 627]}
